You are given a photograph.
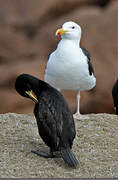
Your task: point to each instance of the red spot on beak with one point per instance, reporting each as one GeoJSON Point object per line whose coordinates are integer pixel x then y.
{"type": "Point", "coordinates": [59, 33]}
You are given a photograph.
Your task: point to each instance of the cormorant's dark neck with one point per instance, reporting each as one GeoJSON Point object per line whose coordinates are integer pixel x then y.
{"type": "Point", "coordinates": [38, 86]}
{"type": "Point", "coordinates": [42, 86]}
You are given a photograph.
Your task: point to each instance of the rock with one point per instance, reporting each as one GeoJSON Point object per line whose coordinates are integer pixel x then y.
{"type": "Point", "coordinates": [95, 146]}
{"type": "Point", "coordinates": [27, 36]}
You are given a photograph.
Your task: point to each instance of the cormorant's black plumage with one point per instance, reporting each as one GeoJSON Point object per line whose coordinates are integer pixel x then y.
{"type": "Point", "coordinates": [115, 96]}
{"type": "Point", "coordinates": [54, 118]}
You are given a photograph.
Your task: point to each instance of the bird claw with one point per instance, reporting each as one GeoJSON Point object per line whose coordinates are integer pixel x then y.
{"type": "Point", "coordinates": [80, 116]}
{"type": "Point", "coordinates": [43, 154]}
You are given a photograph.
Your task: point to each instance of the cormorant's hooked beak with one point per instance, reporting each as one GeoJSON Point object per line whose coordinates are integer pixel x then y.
{"type": "Point", "coordinates": [30, 94]}
{"type": "Point", "coordinates": [61, 31]}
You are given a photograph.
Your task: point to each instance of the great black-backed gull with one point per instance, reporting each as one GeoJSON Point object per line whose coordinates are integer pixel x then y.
{"type": "Point", "coordinates": [69, 66]}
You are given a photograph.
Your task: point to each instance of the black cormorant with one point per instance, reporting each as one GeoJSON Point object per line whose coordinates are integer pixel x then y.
{"type": "Point", "coordinates": [54, 118]}
{"type": "Point", "coordinates": [115, 96]}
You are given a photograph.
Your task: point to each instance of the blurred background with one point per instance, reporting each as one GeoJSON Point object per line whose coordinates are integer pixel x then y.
{"type": "Point", "coordinates": [27, 36]}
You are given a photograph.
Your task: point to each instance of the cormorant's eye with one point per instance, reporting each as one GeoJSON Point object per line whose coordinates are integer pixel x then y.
{"type": "Point", "coordinates": [73, 27]}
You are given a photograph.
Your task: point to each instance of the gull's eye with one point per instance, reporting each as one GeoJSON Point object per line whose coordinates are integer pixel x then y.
{"type": "Point", "coordinates": [73, 27]}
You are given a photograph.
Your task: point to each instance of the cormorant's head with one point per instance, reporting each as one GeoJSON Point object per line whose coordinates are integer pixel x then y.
{"type": "Point", "coordinates": [27, 85]}
{"type": "Point", "coordinates": [70, 30]}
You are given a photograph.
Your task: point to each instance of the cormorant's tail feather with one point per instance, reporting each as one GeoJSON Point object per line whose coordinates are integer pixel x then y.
{"type": "Point", "coordinates": [69, 157]}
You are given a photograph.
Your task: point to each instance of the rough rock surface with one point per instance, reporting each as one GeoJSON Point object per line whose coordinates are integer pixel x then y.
{"type": "Point", "coordinates": [95, 146]}
{"type": "Point", "coordinates": [27, 36]}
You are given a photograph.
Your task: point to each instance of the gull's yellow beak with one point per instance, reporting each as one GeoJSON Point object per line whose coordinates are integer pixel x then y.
{"type": "Point", "coordinates": [30, 94]}
{"type": "Point", "coordinates": [60, 32]}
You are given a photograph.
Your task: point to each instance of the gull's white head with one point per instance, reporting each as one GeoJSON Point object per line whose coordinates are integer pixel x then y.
{"type": "Point", "coordinates": [70, 30]}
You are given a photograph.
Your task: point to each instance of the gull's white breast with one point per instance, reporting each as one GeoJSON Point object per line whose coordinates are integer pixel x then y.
{"type": "Point", "coordinates": [67, 68]}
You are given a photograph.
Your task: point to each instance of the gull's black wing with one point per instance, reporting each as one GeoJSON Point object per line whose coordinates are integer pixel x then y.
{"type": "Point", "coordinates": [90, 66]}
